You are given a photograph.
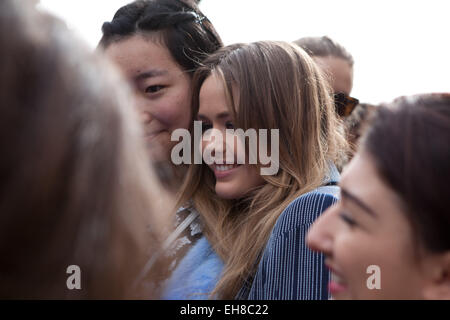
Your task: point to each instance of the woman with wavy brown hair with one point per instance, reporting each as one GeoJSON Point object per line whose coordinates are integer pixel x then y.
{"type": "Point", "coordinates": [272, 86]}
{"type": "Point", "coordinates": [77, 196]}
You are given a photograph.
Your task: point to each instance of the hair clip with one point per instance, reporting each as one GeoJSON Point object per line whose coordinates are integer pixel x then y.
{"type": "Point", "coordinates": [199, 19]}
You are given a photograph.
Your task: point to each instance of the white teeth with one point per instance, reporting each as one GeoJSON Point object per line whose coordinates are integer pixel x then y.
{"type": "Point", "coordinates": [225, 167]}
{"type": "Point", "coordinates": [337, 279]}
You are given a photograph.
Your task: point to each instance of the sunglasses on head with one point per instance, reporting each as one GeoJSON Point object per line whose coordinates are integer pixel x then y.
{"type": "Point", "coordinates": [344, 104]}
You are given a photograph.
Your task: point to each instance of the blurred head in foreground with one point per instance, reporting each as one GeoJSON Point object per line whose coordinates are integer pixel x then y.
{"type": "Point", "coordinates": [75, 181]}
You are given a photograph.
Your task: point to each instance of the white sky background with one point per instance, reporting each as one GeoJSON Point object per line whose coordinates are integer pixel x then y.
{"type": "Point", "coordinates": [400, 47]}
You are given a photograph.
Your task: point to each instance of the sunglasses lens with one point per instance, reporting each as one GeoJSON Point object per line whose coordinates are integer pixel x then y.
{"type": "Point", "coordinates": [339, 103]}
{"type": "Point", "coordinates": [344, 104]}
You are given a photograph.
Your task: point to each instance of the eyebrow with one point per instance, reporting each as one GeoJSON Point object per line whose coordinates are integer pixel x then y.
{"type": "Point", "coordinates": [150, 74]}
{"type": "Point", "coordinates": [361, 204]}
{"type": "Point", "coordinates": [221, 115]}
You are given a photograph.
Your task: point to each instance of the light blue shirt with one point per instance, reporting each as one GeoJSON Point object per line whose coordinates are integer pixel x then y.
{"type": "Point", "coordinates": [197, 274]}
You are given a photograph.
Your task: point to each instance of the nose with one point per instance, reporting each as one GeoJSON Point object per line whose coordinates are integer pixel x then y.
{"type": "Point", "coordinates": [144, 109]}
{"type": "Point", "coordinates": [320, 236]}
{"type": "Point", "coordinates": [213, 146]}
{"type": "Point", "coordinates": [145, 116]}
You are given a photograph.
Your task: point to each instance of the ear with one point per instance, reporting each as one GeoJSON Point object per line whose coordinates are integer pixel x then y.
{"type": "Point", "coordinates": [438, 288]}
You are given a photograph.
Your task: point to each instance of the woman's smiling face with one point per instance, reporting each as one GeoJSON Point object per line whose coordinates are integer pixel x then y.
{"type": "Point", "coordinates": [369, 228]}
{"type": "Point", "coordinates": [233, 181]}
{"type": "Point", "coordinates": [162, 89]}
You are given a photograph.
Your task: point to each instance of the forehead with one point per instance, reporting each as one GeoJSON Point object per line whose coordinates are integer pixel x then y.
{"type": "Point", "coordinates": [362, 180]}
{"type": "Point", "coordinates": [212, 96]}
{"type": "Point", "coordinates": [137, 54]}
{"type": "Point", "coordinates": [339, 71]}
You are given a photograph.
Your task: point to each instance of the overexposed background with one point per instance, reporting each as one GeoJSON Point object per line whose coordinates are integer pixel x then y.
{"type": "Point", "coordinates": [400, 47]}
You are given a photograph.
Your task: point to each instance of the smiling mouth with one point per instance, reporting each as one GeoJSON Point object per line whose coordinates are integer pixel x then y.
{"type": "Point", "coordinates": [338, 279]}
{"type": "Point", "coordinates": [225, 167]}
{"type": "Point", "coordinates": [222, 171]}
{"type": "Point", "coordinates": [337, 283]}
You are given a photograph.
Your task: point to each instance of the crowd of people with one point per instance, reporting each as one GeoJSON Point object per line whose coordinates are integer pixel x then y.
{"type": "Point", "coordinates": [87, 176]}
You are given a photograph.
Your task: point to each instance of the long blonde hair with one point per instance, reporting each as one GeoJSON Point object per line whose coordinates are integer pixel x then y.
{"type": "Point", "coordinates": [278, 87]}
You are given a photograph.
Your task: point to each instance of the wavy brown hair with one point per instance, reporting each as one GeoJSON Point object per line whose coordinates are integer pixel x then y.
{"type": "Point", "coordinates": [269, 85]}
{"type": "Point", "coordinates": [409, 143]}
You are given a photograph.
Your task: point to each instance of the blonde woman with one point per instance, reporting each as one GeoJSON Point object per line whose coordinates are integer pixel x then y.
{"type": "Point", "coordinates": [256, 223]}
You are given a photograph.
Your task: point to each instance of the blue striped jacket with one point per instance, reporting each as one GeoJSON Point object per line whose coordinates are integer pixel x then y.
{"type": "Point", "coordinates": [288, 270]}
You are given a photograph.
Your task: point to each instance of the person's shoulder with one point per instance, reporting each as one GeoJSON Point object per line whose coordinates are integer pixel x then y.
{"type": "Point", "coordinates": [309, 202]}
{"type": "Point", "coordinates": [305, 209]}
{"type": "Point", "coordinates": [196, 275]}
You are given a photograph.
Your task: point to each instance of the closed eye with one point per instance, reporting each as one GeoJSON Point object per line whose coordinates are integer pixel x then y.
{"type": "Point", "coordinates": [347, 219]}
{"type": "Point", "coordinates": [154, 89]}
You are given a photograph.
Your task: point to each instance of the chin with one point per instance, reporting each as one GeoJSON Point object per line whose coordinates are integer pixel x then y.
{"type": "Point", "coordinates": [341, 296]}
{"type": "Point", "coordinates": [227, 193]}
{"type": "Point", "coordinates": [159, 149]}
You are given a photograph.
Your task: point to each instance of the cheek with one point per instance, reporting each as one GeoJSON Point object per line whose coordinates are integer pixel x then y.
{"type": "Point", "coordinates": [238, 151]}
{"type": "Point", "coordinates": [251, 179]}
{"type": "Point", "coordinates": [174, 109]}
{"type": "Point", "coordinates": [244, 180]}
{"type": "Point", "coordinates": [234, 150]}
{"type": "Point", "coordinates": [400, 274]}
{"type": "Point", "coordinates": [355, 252]}
{"type": "Point", "coordinates": [352, 255]}
{"type": "Point", "coordinates": [202, 146]}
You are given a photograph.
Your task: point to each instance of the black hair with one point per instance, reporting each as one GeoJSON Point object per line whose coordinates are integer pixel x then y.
{"type": "Point", "coordinates": [324, 47]}
{"type": "Point", "coordinates": [186, 32]}
{"type": "Point", "coordinates": [409, 142]}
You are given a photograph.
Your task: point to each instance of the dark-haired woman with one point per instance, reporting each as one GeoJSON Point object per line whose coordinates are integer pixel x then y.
{"type": "Point", "coordinates": [158, 45]}
{"type": "Point", "coordinates": [388, 237]}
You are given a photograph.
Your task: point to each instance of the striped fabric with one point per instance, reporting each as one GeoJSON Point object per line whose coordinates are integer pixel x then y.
{"type": "Point", "coordinates": [288, 270]}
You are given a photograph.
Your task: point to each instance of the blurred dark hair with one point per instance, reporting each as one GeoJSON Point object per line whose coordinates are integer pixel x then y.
{"type": "Point", "coordinates": [409, 141]}
{"type": "Point", "coordinates": [184, 30]}
{"type": "Point", "coordinates": [75, 184]}
{"type": "Point", "coordinates": [357, 123]}
{"type": "Point", "coordinates": [324, 47]}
